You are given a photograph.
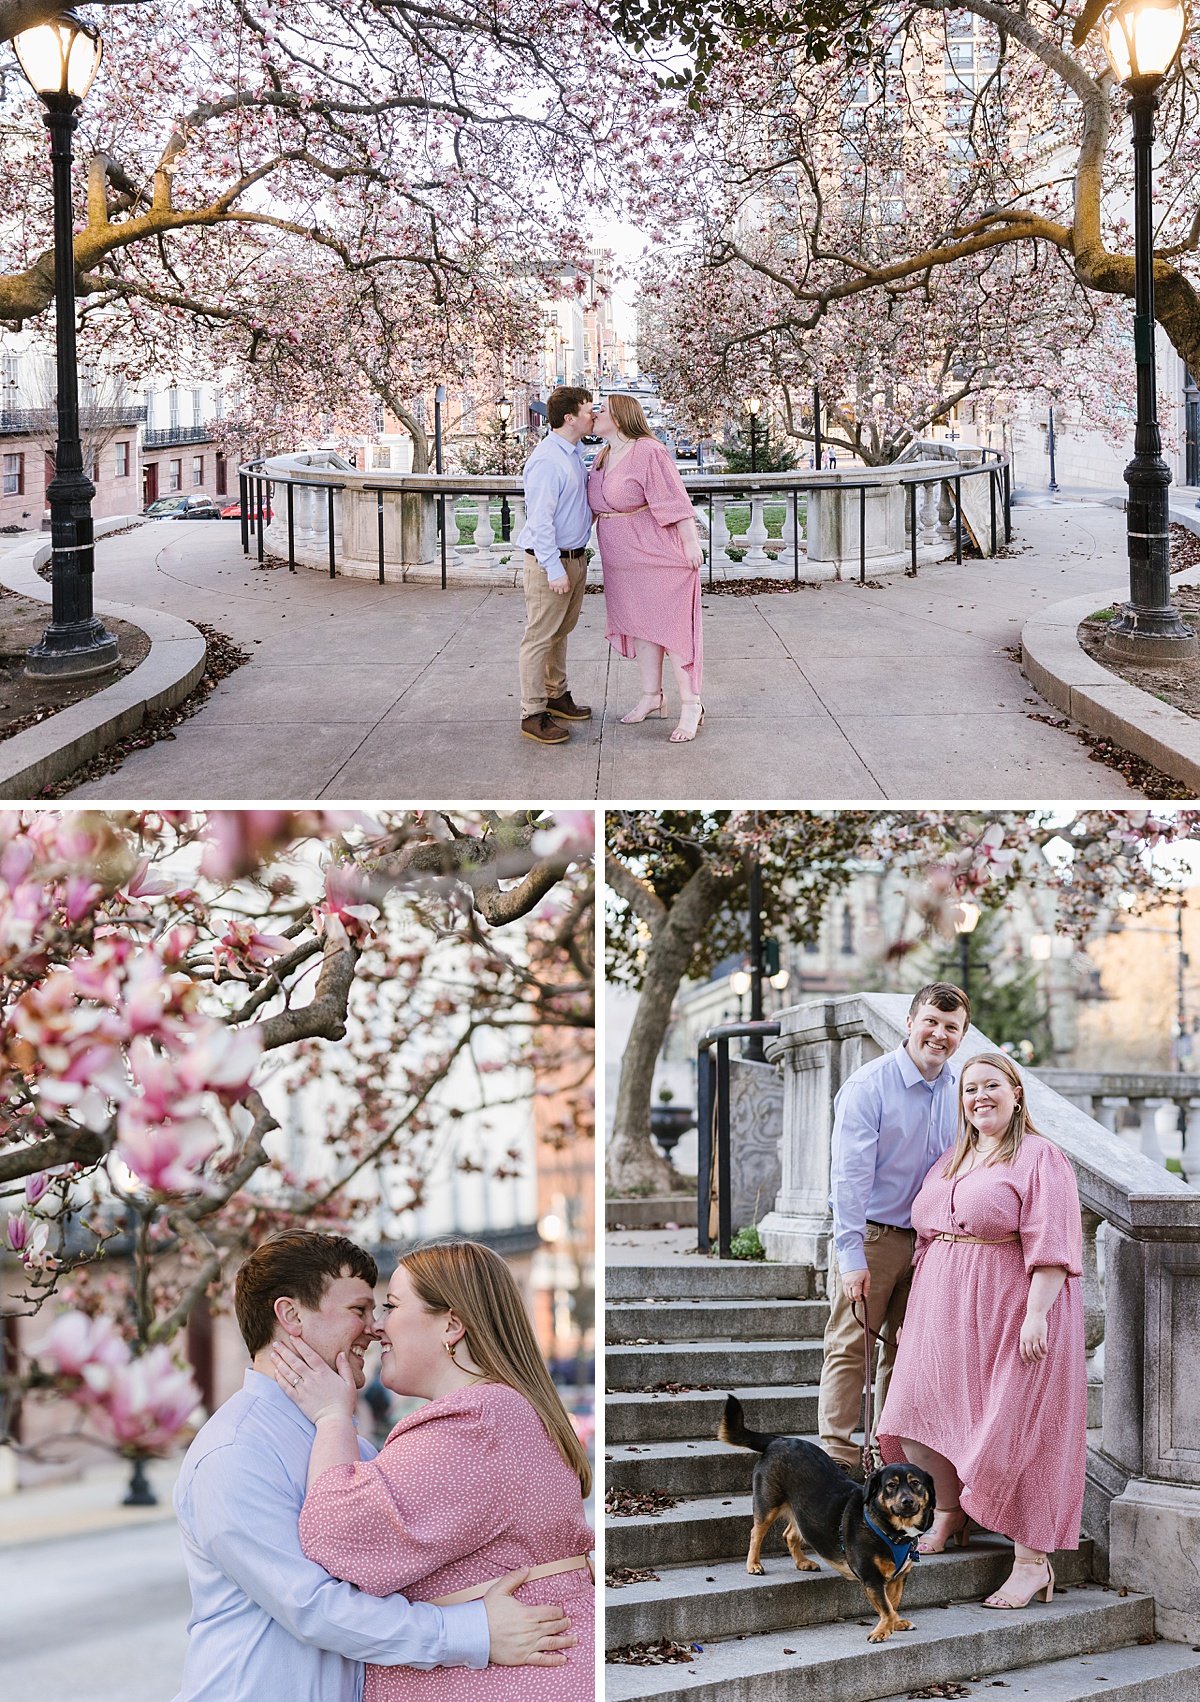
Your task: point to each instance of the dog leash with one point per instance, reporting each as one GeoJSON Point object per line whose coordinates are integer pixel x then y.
{"type": "Point", "coordinates": [870, 1454]}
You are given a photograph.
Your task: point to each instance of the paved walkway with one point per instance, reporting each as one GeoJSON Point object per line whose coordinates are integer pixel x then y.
{"type": "Point", "coordinates": [362, 691]}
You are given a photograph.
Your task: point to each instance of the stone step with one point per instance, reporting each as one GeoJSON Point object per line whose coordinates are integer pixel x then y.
{"type": "Point", "coordinates": [708, 1527]}
{"type": "Point", "coordinates": [1139, 1672]}
{"type": "Point", "coordinates": [633, 1417]}
{"type": "Point", "coordinates": [724, 1363]}
{"type": "Point", "coordinates": [835, 1663]}
{"type": "Point", "coordinates": [699, 1603]}
{"type": "Point", "coordinates": [700, 1466]}
{"type": "Point", "coordinates": [702, 1320]}
{"type": "Point", "coordinates": [709, 1280]}
{"type": "Point", "coordinates": [678, 1210]}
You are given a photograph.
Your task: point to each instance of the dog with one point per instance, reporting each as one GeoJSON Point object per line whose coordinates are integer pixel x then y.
{"type": "Point", "coordinates": [868, 1533]}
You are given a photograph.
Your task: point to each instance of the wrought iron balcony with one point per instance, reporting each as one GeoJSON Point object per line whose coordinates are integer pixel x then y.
{"type": "Point", "coordinates": [164, 438]}
{"type": "Point", "coordinates": [26, 421]}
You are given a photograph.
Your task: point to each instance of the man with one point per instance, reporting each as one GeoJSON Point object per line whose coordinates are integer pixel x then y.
{"type": "Point", "coordinates": [892, 1119]}
{"type": "Point", "coordinates": [266, 1622]}
{"type": "Point", "coordinates": [558, 524]}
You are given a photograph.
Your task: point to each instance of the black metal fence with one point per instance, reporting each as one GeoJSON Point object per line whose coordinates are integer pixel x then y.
{"type": "Point", "coordinates": [712, 1124]}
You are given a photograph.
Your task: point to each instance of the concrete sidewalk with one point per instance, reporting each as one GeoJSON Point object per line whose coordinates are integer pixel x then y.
{"type": "Point", "coordinates": [363, 691]}
{"type": "Point", "coordinates": [53, 1511]}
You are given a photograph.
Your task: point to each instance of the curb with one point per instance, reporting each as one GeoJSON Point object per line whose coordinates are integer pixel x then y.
{"type": "Point", "coordinates": [1102, 702]}
{"type": "Point", "coordinates": [165, 676]}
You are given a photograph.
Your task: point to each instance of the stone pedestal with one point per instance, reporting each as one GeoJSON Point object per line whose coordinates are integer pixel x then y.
{"type": "Point", "coordinates": [833, 525]}
{"type": "Point", "coordinates": [1154, 1546]}
{"type": "Point", "coordinates": [756, 1137]}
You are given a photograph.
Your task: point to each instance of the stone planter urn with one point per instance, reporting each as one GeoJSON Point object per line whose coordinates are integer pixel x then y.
{"type": "Point", "coordinates": [669, 1124]}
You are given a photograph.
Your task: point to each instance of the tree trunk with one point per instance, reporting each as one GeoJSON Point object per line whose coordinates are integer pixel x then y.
{"type": "Point", "coordinates": [634, 1166]}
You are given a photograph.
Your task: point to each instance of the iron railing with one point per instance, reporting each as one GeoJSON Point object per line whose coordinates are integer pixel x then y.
{"type": "Point", "coordinates": [165, 437]}
{"type": "Point", "coordinates": [712, 1125]}
{"type": "Point", "coordinates": [16, 420]}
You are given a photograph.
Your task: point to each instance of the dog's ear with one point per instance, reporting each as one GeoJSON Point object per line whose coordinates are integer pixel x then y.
{"type": "Point", "coordinates": [872, 1487]}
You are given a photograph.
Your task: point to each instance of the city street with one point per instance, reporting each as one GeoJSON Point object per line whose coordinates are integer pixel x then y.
{"type": "Point", "coordinates": [99, 1617]}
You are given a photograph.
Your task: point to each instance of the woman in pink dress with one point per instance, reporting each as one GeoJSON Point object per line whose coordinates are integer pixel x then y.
{"type": "Point", "coordinates": [650, 551]}
{"type": "Point", "coordinates": [486, 1479]}
{"type": "Point", "coordinates": [989, 1389]}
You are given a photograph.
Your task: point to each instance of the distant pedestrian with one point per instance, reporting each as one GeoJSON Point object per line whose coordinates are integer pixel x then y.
{"type": "Point", "coordinates": [557, 527]}
{"type": "Point", "coordinates": [650, 550]}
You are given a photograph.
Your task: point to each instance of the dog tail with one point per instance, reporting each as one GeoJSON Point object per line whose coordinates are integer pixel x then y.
{"type": "Point", "coordinates": [732, 1429]}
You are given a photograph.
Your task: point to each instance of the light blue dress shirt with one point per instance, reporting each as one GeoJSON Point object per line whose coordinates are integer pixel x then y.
{"type": "Point", "coordinates": [267, 1625]}
{"type": "Point", "coordinates": [557, 513]}
{"type": "Point", "coordinates": [889, 1127]}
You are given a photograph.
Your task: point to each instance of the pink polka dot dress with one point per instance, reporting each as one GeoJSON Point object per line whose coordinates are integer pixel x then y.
{"type": "Point", "coordinates": [1015, 1433]}
{"type": "Point", "coordinates": [466, 1489]}
{"type": "Point", "coordinates": [651, 590]}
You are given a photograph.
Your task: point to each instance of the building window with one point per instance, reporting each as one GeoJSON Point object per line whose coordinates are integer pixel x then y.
{"type": "Point", "coordinates": [14, 475]}
{"type": "Point", "coordinates": [173, 406]}
{"type": "Point", "coordinates": [847, 932]}
{"type": "Point", "coordinates": [197, 471]}
{"type": "Point", "coordinates": [175, 475]}
{"type": "Point", "coordinates": [197, 415]}
{"type": "Point", "coordinates": [383, 456]}
{"type": "Point", "coordinates": [122, 460]}
{"type": "Point", "coordinates": [222, 476]}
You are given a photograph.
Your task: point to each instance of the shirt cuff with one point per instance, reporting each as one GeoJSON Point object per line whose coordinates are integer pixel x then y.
{"type": "Point", "coordinates": [555, 570]}
{"type": "Point", "coordinates": [468, 1643]}
{"type": "Point", "coordinates": [851, 1254]}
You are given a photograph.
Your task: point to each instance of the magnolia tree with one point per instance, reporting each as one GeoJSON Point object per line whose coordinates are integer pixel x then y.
{"type": "Point", "coordinates": [345, 187]}
{"type": "Point", "coordinates": [677, 899]}
{"type": "Point", "coordinates": [168, 976]}
{"type": "Point", "coordinates": [908, 206]}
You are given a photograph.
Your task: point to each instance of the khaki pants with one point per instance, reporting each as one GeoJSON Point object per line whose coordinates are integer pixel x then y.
{"type": "Point", "coordinates": [550, 618]}
{"type": "Point", "coordinates": [840, 1405]}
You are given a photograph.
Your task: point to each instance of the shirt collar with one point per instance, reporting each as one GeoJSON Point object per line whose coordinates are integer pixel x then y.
{"type": "Point", "coordinates": [574, 449]}
{"type": "Point", "coordinates": [910, 1075]}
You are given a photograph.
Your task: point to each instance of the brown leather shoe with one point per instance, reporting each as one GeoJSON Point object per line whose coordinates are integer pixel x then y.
{"type": "Point", "coordinates": [565, 708]}
{"type": "Point", "coordinates": [543, 730]}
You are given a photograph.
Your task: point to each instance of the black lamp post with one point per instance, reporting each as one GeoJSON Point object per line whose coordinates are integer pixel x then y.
{"type": "Point", "coordinates": [753, 408]}
{"type": "Point", "coordinates": [503, 414]}
{"type": "Point", "coordinates": [1053, 485]}
{"type": "Point", "coordinates": [59, 60]}
{"type": "Point", "coordinates": [1142, 38]}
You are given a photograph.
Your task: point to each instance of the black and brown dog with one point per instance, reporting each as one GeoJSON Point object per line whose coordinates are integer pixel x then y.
{"type": "Point", "coordinates": [869, 1533]}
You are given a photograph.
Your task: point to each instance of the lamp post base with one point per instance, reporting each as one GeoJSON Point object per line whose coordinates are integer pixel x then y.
{"type": "Point", "coordinates": [75, 652]}
{"type": "Point", "coordinates": [1165, 641]}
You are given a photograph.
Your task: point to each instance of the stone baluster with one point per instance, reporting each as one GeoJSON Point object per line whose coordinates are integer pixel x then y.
{"type": "Point", "coordinates": [1093, 1293]}
{"type": "Point", "coordinates": [485, 555]}
{"type": "Point", "coordinates": [1148, 1129]}
{"type": "Point", "coordinates": [460, 547]}
{"type": "Point", "coordinates": [928, 534]}
{"type": "Point", "coordinates": [719, 542]}
{"type": "Point", "coordinates": [1190, 1157]}
{"type": "Point", "coordinates": [756, 536]}
{"type": "Point", "coordinates": [1170, 1130]}
{"type": "Point", "coordinates": [516, 508]}
{"type": "Point", "coordinates": [946, 510]}
{"type": "Point", "coordinates": [793, 534]}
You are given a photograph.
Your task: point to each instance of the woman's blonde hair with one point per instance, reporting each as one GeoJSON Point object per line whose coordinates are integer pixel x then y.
{"type": "Point", "coordinates": [469, 1279]}
{"type": "Point", "coordinates": [1019, 1124]}
{"type": "Point", "coordinates": [629, 415]}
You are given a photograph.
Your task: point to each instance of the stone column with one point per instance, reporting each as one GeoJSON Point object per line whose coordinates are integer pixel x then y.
{"type": "Point", "coordinates": [1190, 1158]}
{"type": "Point", "coordinates": [755, 1138]}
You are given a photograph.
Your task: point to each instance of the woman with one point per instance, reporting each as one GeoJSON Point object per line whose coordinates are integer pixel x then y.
{"type": "Point", "coordinates": [650, 550]}
{"type": "Point", "coordinates": [486, 1479]}
{"type": "Point", "coordinates": [989, 1390]}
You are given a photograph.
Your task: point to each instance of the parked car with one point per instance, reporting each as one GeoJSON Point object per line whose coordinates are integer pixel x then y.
{"type": "Point", "coordinates": [233, 510]}
{"type": "Point", "coordinates": [183, 508]}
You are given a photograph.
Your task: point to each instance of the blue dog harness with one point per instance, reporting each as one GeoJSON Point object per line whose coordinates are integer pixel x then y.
{"type": "Point", "coordinates": [901, 1552]}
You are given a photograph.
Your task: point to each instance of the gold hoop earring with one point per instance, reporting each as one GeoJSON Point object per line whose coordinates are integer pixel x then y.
{"type": "Point", "coordinates": [450, 1347]}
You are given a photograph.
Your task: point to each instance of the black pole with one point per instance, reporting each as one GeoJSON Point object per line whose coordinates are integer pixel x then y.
{"type": "Point", "coordinates": [1148, 626]}
{"type": "Point", "coordinates": [754, 443]}
{"type": "Point", "coordinates": [437, 427]}
{"type": "Point", "coordinates": [1053, 485]}
{"type": "Point", "coordinates": [505, 518]}
{"type": "Point", "coordinates": [964, 962]}
{"type": "Point", "coordinates": [816, 429]}
{"type": "Point", "coordinates": [706, 1084]}
{"type": "Point", "coordinates": [76, 643]}
{"type": "Point", "coordinates": [754, 1043]}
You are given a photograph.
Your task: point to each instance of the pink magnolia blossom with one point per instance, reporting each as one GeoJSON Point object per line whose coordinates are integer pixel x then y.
{"type": "Point", "coordinates": [241, 946]}
{"type": "Point", "coordinates": [35, 1186]}
{"type": "Point", "coordinates": [74, 1342]}
{"type": "Point", "coordinates": [344, 914]}
{"type": "Point", "coordinates": [146, 1402]}
{"type": "Point", "coordinates": [573, 833]}
{"type": "Point", "coordinates": [166, 1154]}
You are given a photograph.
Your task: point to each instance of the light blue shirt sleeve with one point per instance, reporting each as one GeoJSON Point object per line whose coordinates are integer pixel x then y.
{"type": "Point", "coordinates": [545, 481]}
{"type": "Point", "coordinates": [242, 1512]}
{"type": "Point", "coordinates": [855, 1150]}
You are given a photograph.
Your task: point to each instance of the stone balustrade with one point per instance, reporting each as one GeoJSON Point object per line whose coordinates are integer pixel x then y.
{"type": "Point", "coordinates": [1141, 1280]}
{"type": "Point", "coordinates": [829, 525]}
{"type": "Point", "coordinates": [1110, 1095]}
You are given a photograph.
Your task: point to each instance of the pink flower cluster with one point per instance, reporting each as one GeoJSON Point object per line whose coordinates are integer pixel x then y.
{"type": "Point", "coordinates": [138, 1404]}
{"type": "Point", "coordinates": [572, 833]}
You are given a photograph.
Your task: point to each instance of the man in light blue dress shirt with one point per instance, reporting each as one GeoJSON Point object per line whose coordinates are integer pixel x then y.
{"type": "Point", "coordinates": [558, 524]}
{"type": "Point", "coordinates": [267, 1625]}
{"type": "Point", "coordinates": [892, 1119]}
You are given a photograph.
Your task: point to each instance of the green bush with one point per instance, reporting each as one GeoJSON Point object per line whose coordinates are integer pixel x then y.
{"type": "Point", "coordinates": [747, 1244]}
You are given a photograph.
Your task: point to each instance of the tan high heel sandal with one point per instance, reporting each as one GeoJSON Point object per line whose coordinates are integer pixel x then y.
{"type": "Point", "coordinates": [958, 1533]}
{"type": "Point", "coordinates": [1044, 1594]}
{"type": "Point", "coordinates": [681, 736]}
{"type": "Point", "coordinates": [657, 706]}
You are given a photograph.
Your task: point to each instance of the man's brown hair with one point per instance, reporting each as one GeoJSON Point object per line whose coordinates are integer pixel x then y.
{"type": "Point", "coordinates": [567, 399]}
{"type": "Point", "coordinates": [943, 996]}
{"type": "Point", "coordinates": [298, 1263]}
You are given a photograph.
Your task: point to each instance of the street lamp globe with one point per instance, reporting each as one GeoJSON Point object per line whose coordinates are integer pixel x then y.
{"type": "Point", "coordinates": [739, 982]}
{"type": "Point", "coordinates": [754, 407]}
{"type": "Point", "coordinates": [1142, 37]}
{"type": "Point", "coordinates": [503, 410]}
{"type": "Point", "coordinates": [60, 59]}
{"type": "Point", "coordinates": [968, 917]}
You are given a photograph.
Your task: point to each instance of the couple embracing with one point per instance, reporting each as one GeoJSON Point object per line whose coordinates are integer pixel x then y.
{"type": "Point", "coordinates": [650, 548]}
{"type": "Point", "coordinates": [954, 1218]}
{"type": "Point", "coordinates": [454, 1563]}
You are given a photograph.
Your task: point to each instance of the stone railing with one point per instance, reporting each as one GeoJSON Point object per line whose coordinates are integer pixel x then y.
{"type": "Point", "coordinates": [849, 523]}
{"type": "Point", "coordinates": [1108, 1094]}
{"type": "Point", "coordinates": [1141, 1290]}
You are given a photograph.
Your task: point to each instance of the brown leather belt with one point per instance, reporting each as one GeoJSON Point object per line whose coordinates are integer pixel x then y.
{"type": "Point", "coordinates": [567, 555]}
{"type": "Point", "coordinates": [575, 1563]}
{"type": "Point", "coordinates": [978, 1240]}
{"type": "Point", "coordinates": [620, 513]}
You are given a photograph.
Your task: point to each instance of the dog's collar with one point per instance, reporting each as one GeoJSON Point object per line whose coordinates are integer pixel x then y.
{"type": "Point", "coordinates": [901, 1552]}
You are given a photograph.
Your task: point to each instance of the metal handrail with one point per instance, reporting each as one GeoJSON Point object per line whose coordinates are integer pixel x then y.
{"type": "Point", "coordinates": [712, 1105]}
